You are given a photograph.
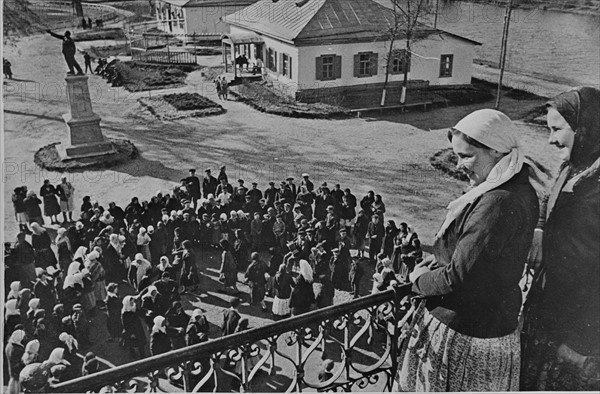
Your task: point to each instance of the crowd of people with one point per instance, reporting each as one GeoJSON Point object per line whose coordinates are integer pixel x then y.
{"type": "Point", "coordinates": [291, 243]}
{"type": "Point", "coordinates": [467, 329]}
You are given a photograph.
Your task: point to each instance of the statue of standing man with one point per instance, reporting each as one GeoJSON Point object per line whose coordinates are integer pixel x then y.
{"type": "Point", "coordinates": [68, 50]}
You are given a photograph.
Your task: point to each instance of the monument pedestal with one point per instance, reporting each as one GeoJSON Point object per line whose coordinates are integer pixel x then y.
{"type": "Point", "coordinates": [86, 139]}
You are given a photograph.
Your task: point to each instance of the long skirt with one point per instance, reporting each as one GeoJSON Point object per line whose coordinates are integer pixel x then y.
{"type": "Point", "coordinates": [51, 206]}
{"type": "Point", "coordinates": [281, 307]}
{"type": "Point", "coordinates": [100, 290]}
{"type": "Point", "coordinates": [436, 358]}
{"type": "Point", "coordinates": [88, 300]}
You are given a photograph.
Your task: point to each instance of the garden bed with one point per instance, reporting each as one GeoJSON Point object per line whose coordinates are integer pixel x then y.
{"type": "Point", "coordinates": [110, 50]}
{"type": "Point", "coordinates": [269, 100]}
{"type": "Point", "coordinates": [181, 105]}
{"type": "Point", "coordinates": [137, 77]}
{"type": "Point", "coordinates": [103, 34]}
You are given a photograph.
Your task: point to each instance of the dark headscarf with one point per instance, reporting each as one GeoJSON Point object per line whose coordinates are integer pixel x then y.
{"type": "Point", "coordinates": [581, 109]}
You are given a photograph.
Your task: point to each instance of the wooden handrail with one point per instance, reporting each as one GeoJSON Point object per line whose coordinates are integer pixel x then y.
{"type": "Point", "coordinates": [175, 357]}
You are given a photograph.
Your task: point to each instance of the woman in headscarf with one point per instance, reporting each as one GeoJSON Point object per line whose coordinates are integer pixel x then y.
{"type": "Point", "coordinates": [301, 297]}
{"type": "Point", "coordinates": [464, 336]}
{"type": "Point", "coordinates": [197, 329]}
{"type": "Point", "coordinates": [63, 246]}
{"type": "Point", "coordinates": [51, 207]}
{"type": "Point", "coordinates": [72, 288]}
{"type": "Point", "coordinates": [40, 240]}
{"type": "Point", "coordinates": [159, 340]}
{"type": "Point", "coordinates": [133, 335]}
{"type": "Point", "coordinates": [282, 289]}
{"type": "Point", "coordinates": [97, 275]}
{"type": "Point", "coordinates": [228, 271]}
{"type": "Point", "coordinates": [240, 250]}
{"type": "Point", "coordinates": [32, 208]}
{"type": "Point", "coordinates": [177, 321]}
{"type": "Point", "coordinates": [152, 304]}
{"type": "Point", "coordinates": [139, 267]}
{"type": "Point", "coordinates": [115, 268]}
{"type": "Point", "coordinates": [113, 307]}
{"type": "Point", "coordinates": [24, 257]}
{"type": "Point", "coordinates": [143, 243]}
{"type": "Point", "coordinates": [12, 316]}
{"type": "Point", "coordinates": [561, 346]}
{"type": "Point", "coordinates": [88, 297]}
{"type": "Point", "coordinates": [15, 287]}
{"type": "Point", "coordinates": [90, 364]}
{"type": "Point", "coordinates": [165, 266]}
{"type": "Point", "coordinates": [14, 351]}
{"type": "Point", "coordinates": [391, 231]}
{"type": "Point", "coordinates": [31, 354]}
{"type": "Point", "coordinates": [189, 270]}
{"type": "Point", "coordinates": [34, 305]}
{"type": "Point", "coordinates": [23, 301]}
{"type": "Point", "coordinates": [59, 357]}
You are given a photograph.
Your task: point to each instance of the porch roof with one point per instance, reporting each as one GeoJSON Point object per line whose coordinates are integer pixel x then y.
{"type": "Point", "coordinates": [242, 38]}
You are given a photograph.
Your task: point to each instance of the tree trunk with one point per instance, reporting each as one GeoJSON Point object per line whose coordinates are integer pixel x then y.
{"type": "Point", "coordinates": [406, 68]}
{"type": "Point", "coordinates": [78, 8]}
{"type": "Point", "coordinates": [387, 72]}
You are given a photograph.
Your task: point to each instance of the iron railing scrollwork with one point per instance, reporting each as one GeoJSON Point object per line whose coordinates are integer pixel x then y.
{"type": "Point", "coordinates": [361, 335]}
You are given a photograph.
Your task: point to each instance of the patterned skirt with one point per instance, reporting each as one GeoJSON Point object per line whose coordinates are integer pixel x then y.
{"type": "Point", "coordinates": [437, 358]}
{"type": "Point", "coordinates": [281, 307]}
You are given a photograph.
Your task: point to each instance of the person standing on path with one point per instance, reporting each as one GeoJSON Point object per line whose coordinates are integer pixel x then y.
{"type": "Point", "coordinates": [224, 88]}
{"type": "Point", "coordinates": [65, 192]}
{"type": "Point", "coordinates": [68, 50]}
{"type": "Point", "coordinates": [88, 62]}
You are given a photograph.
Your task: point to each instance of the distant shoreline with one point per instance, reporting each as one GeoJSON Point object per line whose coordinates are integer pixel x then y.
{"type": "Point", "coordinates": [579, 9]}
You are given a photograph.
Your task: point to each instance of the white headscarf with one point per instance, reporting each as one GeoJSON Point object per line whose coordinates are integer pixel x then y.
{"type": "Point", "coordinates": [15, 287]}
{"type": "Point", "coordinates": [34, 304]}
{"type": "Point", "coordinates": [31, 352]}
{"type": "Point", "coordinates": [17, 337]}
{"type": "Point", "coordinates": [58, 357]}
{"type": "Point", "coordinates": [37, 229]}
{"type": "Point", "coordinates": [306, 270]}
{"type": "Point", "coordinates": [495, 130]}
{"type": "Point", "coordinates": [11, 307]}
{"type": "Point", "coordinates": [74, 268]}
{"type": "Point", "coordinates": [128, 304]}
{"type": "Point", "coordinates": [69, 340]}
{"type": "Point", "coordinates": [80, 253]}
{"type": "Point", "coordinates": [159, 324]}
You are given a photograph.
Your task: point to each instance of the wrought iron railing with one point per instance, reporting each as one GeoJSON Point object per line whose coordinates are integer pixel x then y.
{"type": "Point", "coordinates": [361, 335]}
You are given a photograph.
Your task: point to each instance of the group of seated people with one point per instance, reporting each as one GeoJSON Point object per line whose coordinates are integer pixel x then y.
{"type": "Point", "coordinates": [156, 247]}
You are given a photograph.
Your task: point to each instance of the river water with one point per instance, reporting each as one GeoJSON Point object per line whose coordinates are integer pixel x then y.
{"type": "Point", "coordinates": [555, 46]}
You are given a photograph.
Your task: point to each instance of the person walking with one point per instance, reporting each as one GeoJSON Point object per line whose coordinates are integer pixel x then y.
{"type": "Point", "coordinates": [88, 61]}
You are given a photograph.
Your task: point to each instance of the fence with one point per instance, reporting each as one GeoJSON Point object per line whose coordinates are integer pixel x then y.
{"type": "Point", "coordinates": [365, 331]}
{"type": "Point", "coordinates": [163, 57]}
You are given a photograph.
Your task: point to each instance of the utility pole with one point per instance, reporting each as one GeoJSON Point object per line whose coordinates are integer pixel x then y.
{"type": "Point", "coordinates": [503, 50]}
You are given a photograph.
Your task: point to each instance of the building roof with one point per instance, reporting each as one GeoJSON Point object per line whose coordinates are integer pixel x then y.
{"type": "Point", "coordinates": [243, 38]}
{"type": "Point", "coordinates": [320, 20]}
{"type": "Point", "coordinates": [208, 3]}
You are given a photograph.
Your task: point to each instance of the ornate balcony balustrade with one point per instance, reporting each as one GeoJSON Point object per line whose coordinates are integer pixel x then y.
{"type": "Point", "coordinates": [362, 336]}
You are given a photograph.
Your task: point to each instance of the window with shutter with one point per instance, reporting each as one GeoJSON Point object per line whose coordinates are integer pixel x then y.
{"type": "Point", "coordinates": [365, 64]}
{"type": "Point", "coordinates": [446, 66]}
{"type": "Point", "coordinates": [399, 62]}
{"type": "Point", "coordinates": [374, 63]}
{"type": "Point", "coordinates": [337, 67]}
{"type": "Point", "coordinates": [319, 69]}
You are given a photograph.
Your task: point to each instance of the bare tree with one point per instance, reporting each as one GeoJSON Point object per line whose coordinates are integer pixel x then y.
{"type": "Point", "coordinates": [406, 17]}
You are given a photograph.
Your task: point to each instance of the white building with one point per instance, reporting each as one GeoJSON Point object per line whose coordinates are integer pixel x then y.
{"type": "Point", "coordinates": [196, 16]}
{"type": "Point", "coordinates": [334, 45]}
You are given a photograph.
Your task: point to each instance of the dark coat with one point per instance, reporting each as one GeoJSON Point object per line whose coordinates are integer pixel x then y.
{"type": "Point", "coordinates": [302, 297]}
{"type": "Point", "coordinates": [231, 318]}
{"type": "Point", "coordinates": [159, 343]}
{"type": "Point", "coordinates": [481, 257]}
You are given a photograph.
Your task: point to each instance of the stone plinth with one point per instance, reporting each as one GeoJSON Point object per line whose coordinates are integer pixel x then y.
{"type": "Point", "coordinates": [86, 139]}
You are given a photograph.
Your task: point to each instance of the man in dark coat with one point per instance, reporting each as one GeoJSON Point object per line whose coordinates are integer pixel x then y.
{"type": "Point", "coordinates": [271, 195]}
{"type": "Point", "coordinates": [193, 185]}
{"type": "Point", "coordinates": [209, 184]}
{"type": "Point", "coordinates": [307, 182]}
{"type": "Point", "coordinates": [231, 317]}
{"type": "Point", "coordinates": [68, 50]}
{"type": "Point", "coordinates": [255, 193]}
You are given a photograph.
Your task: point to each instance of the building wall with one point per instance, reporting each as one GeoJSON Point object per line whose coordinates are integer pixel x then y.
{"type": "Point", "coordinates": [204, 19]}
{"type": "Point", "coordinates": [425, 66]}
{"type": "Point", "coordinates": [177, 25]}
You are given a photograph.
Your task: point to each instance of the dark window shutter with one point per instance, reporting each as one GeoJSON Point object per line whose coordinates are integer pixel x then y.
{"type": "Point", "coordinates": [275, 63]}
{"type": "Point", "coordinates": [319, 70]}
{"type": "Point", "coordinates": [281, 63]}
{"type": "Point", "coordinates": [357, 65]}
{"type": "Point", "coordinates": [337, 66]}
{"type": "Point", "coordinates": [290, 66]}
{"type": "Point", "coordinates": [374, 63]}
